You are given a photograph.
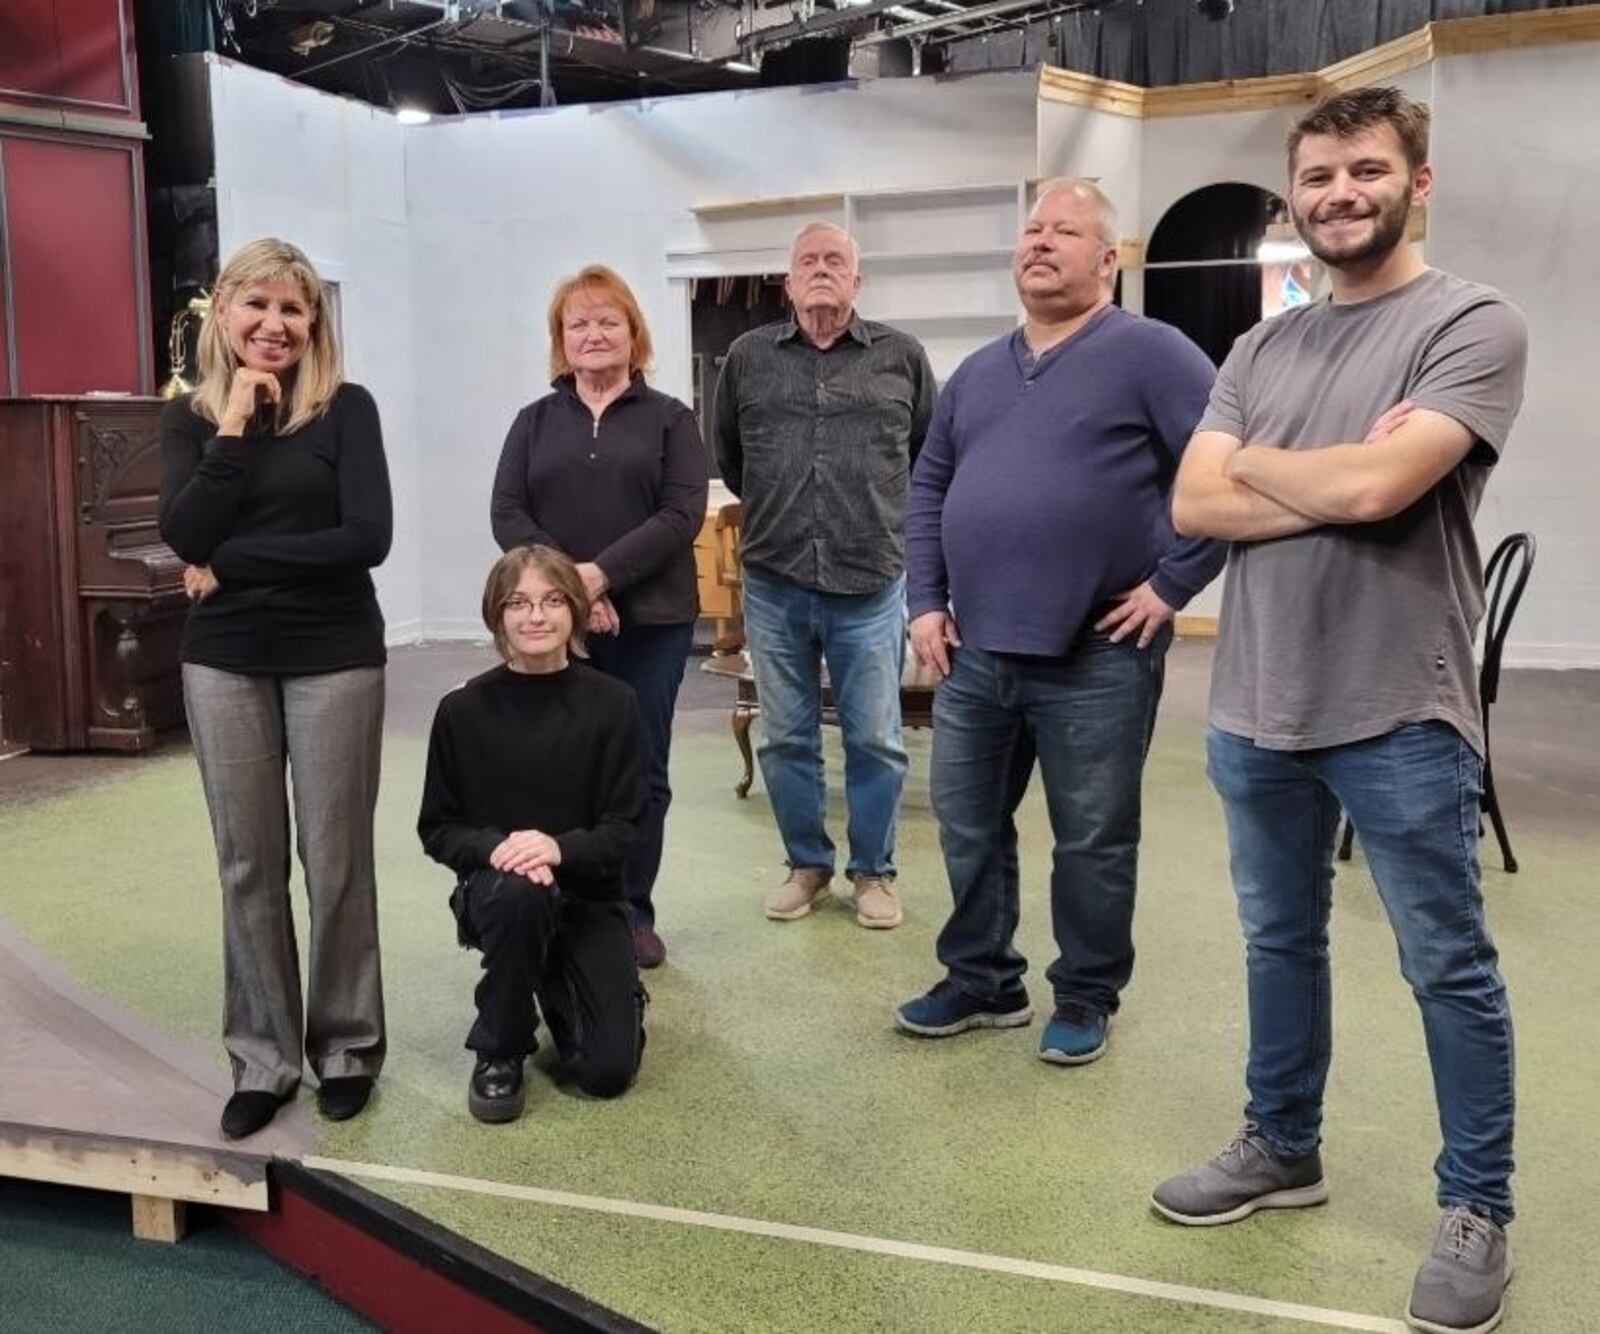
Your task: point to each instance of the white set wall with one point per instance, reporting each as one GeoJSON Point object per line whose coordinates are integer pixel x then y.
{"type": "Point", "coordinates": [446, 239]}
{"type": "Point", "coordinates": [495, 209]}
{"type": "Point", "coordinates": [1518, 190]}
{"type": "Point", "coordinates": [329, 175]}
{"type": "Point", "coordinates": [1517, 177]}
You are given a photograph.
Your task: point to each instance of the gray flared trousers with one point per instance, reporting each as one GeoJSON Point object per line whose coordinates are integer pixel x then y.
{"type": "Point", "coordinates": [326, 732]}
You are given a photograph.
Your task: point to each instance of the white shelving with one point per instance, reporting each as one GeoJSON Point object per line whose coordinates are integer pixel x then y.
{"type": "Point", "coordinates": [935, 261]}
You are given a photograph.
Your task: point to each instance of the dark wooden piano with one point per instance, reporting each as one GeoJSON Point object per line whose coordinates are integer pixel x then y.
{"type": "Point", "coordinates": [91, 601]}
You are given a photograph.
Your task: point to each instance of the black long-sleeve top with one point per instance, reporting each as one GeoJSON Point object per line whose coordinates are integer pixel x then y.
{"type": "Point", "coordinates": [557, 752]}
{"type": "Point", "coordinates": [291, 525]}
{"type": "Point", "coordinates": [626, 491]}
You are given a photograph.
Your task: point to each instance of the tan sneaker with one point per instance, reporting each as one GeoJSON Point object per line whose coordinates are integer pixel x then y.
{"type": "Point", "coordinates": [806, 887]}
{"type": "Point", "coordinates": [877, 905]}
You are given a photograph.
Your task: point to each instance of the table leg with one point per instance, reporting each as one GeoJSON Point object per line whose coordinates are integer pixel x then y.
{"type": "Point", "coordinates": [741, 736]}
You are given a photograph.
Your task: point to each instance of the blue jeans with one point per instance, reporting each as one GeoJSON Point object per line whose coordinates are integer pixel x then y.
{"type": "Point", "coordinates": [1087, 718]}
{"type": "Point", "coordinates": [791, 629]}
{"type": "Point", "coordinates": [649, 658]}
{"type": "Point", "coordinates": [1412, 795]}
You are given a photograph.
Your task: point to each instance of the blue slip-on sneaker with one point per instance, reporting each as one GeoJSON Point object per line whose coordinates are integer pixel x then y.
{"type": "Point", "coordinates": [1075, 1035]}
{"type": "Point", "coordinates": [945, 1010]}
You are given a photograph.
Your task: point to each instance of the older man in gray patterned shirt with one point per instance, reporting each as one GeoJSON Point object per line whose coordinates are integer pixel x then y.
{"type": "Point", "coordinates": [816, 422]}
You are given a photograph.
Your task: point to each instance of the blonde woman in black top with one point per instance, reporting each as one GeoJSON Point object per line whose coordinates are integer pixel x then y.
{"type": "Point", "coordinates": [275, 491]}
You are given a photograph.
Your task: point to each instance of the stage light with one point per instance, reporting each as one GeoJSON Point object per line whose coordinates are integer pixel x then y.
{"type": "Point", "coordinates": [1282, 252]}
{"type": "Point", "coordinates": [412, 116]}
{"type": "Point", "coordinates": [1215, 10]}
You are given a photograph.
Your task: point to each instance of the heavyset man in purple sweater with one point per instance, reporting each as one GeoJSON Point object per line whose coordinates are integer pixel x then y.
{"type": "Point", "coordinates": [1042, 577]}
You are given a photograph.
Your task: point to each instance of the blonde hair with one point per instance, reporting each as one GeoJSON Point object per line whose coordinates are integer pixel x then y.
{"type": "Point", "coordinates": [598, 283]}
{"type": "Point", "coordinates": [559, 572]}
{"type": "Point", "coordinates": [1105, 212]}
{"type": "Point", "coordinates": [317, 375]}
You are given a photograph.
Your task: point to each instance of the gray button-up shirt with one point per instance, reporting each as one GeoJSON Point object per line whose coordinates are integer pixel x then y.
{"type": "Point", "coordinates": [818, 444]}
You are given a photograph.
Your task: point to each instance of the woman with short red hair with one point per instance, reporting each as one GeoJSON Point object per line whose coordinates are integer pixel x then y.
{"type": "Point", "coordinates": [613, 473]}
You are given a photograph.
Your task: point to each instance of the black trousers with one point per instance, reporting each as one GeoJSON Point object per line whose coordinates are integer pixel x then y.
{"type": "Point", "coordinates": [575, 956]}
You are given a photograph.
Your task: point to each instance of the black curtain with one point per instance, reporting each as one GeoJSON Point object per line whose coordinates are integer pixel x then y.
{"type": "Point", "coordinates": [1215, 304]}
{"type": "Point", "coordinates": [1158, 42]}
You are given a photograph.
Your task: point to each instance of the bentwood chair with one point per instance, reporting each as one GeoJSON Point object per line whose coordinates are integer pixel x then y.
{"type": "Point", "coordinates": [1504, 578]}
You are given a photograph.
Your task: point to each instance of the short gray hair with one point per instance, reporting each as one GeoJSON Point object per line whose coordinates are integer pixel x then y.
{"type": "Point", "coordinates": [820, 225]}
{"type": "Point", "coordinates": [1105, 212]}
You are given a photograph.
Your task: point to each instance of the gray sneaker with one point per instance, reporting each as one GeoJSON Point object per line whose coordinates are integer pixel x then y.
{"type": "Point", "coordinates": [1244, 1177]}
{"type": "Point", "coordinates": [1461, 1287]}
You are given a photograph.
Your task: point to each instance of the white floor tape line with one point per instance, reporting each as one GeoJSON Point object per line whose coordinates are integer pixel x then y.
{"type": "Point", "coordinates": [849, 1241]}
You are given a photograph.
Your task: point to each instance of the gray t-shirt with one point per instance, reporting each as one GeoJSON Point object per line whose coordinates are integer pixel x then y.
{"type": "Point", "coordinates": [1351, 630]}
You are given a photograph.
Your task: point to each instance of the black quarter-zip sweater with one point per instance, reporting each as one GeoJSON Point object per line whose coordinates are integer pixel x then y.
{"type": "Point", "coordinates": [626, 491]}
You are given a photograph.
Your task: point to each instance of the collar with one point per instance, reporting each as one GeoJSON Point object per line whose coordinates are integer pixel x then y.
{"type": "Point", "coordinates": [790, 331]}
{"type": "Point", "coordinates": [568, 385]}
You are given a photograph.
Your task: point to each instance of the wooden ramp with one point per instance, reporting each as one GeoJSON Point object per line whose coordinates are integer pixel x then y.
{"type": "Point", "coordinates": [90, 1095]}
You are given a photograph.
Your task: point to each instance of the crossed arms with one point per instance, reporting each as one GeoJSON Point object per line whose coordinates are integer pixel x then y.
{"type": "Point", "coordinates": [1243, 492]}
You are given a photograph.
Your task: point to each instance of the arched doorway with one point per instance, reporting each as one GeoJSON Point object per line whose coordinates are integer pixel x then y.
{"type": "Point", "coordinates": [1204, 267]}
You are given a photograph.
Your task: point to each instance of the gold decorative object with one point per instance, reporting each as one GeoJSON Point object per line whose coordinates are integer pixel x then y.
{"type": "Point", "coordinates": [177, 344]}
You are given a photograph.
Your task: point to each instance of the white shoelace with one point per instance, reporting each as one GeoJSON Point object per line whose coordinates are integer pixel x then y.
{"type": "Point", "coordinates": [1466, 1233]}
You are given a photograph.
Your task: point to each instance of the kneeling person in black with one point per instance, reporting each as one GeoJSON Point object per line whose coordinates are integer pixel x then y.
{"type": "Point", "coordinates": [532, 797]}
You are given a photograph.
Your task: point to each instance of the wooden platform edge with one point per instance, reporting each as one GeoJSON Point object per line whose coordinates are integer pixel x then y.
{"type": "Point", "coordinates": [405, 1272]}
{"type": "Point", "coordinates": [1194, 627]}
{"type": "Point", "coordinates": [147, 1171]}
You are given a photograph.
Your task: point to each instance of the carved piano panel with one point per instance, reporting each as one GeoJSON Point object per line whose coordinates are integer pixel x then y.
{"type": "Point", "coordinates": [91, 601]}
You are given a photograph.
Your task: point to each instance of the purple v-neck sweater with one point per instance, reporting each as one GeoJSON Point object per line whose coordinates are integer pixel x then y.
{"type": "Point", "coordinates": [1042, 490]}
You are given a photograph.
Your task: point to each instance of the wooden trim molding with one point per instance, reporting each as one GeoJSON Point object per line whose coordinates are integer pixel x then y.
{"type": "Point", "coordinates": [1065, 85]}
{"type": "Point", "coordinates": [1441, 37]}
{"type": "Point", "coordinates": [77, 122]}
{"type": "Point", "coordinates": [1499, 32]}
{"type": "Point", "coordinates": [1194, 627]}
{"type": "Point", "coordinates": [1201, 99]}
{"type": "Point", "coordinates": [1388, 61]}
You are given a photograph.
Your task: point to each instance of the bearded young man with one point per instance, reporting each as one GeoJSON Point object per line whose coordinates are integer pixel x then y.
{"type": "Point", "coordinates": [1344, 452]}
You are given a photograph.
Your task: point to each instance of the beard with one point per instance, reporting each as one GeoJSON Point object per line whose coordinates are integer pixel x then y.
{"type": "Point", "coordinates": [1388, 231]}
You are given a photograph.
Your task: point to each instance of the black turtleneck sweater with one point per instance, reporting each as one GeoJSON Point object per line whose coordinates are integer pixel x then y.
{"type": "Point", "coordinates": [290, 525]}
{"type": "Point", "coordinates": [558, 753]}
{"type": "Point", "coordinates": [627, 492]}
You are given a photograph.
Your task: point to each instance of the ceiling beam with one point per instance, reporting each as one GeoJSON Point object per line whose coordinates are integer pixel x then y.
{"type": "Point", "coordinates": [976, 13]}
{"type": "Point", "coordinates": [780, 33]}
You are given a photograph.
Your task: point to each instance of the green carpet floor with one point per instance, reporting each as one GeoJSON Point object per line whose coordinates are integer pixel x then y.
{"type": "Point", "coordinates": [775, 1088]}
{"type": "Point", "coordinates": [70, 1265]}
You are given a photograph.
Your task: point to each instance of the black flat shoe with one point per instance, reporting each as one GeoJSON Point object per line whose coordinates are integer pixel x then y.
{"type": "Point", "coordinates": [343, 1096]}
{"type": "Point", "coordinates": [249, 1111]}
{"type": "Point", "coordinates": [496, 1093]}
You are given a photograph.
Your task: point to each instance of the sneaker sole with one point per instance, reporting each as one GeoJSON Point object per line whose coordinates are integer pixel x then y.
{"type": "Point", "coordinates": [1055, 1056]}
{"type": "Point", "coordinates": [1300, 1197]}
{"type": "Point", "coordinates": [1012, 1019]}
{"type": "Point", "coordinates": [1432, 1327]}
{"type": "Point", "coordinates": [795, 914]}
{"type": "Point", "coordinates": [880, 923]}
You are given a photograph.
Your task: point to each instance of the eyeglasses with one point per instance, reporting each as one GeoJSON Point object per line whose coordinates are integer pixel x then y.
{"type": "Point", "coordinates": [549, 604]}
